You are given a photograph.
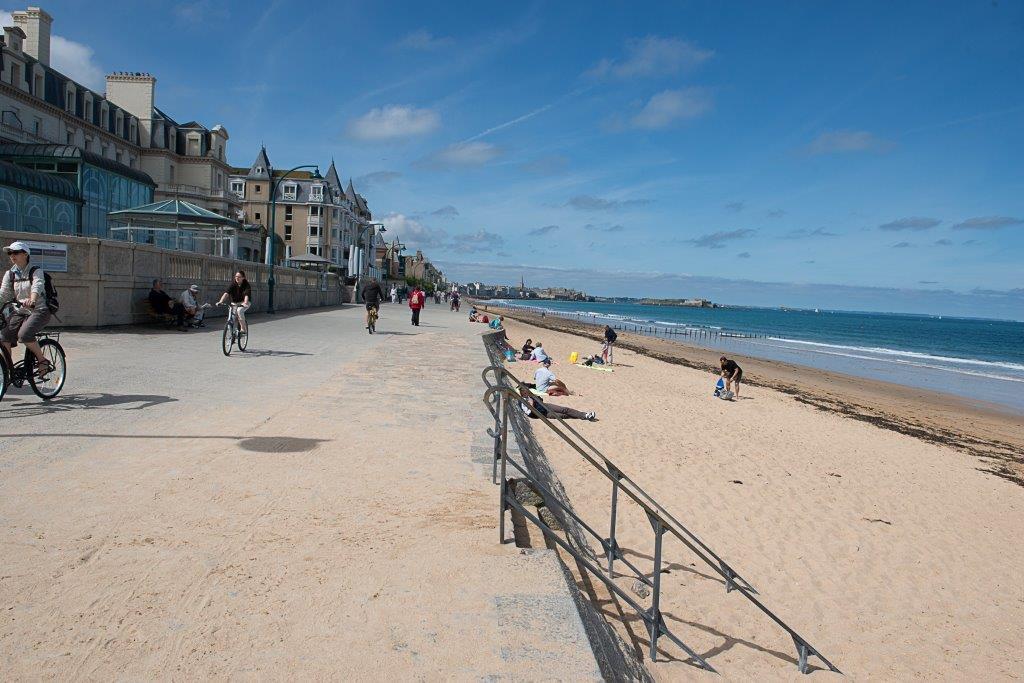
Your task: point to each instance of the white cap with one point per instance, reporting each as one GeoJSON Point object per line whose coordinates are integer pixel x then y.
{"type": "Point", "coordinates": [17, 246]}
{"type": "Point", "coordinates": [194, 288]}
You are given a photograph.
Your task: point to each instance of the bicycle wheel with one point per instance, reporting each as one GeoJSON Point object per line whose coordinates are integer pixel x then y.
{"type": "Point", "coordinates": [243, 340]}
{"type": "Point", "coordinates": [5, 375]}
{"type": "Point", "coordinates": [49, 386]}
{"type": "Point", "coordinates": [227, 340]}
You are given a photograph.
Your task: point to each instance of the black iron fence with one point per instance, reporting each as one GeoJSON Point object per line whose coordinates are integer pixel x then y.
{"type": "Point", "coordinates": [508, 401]}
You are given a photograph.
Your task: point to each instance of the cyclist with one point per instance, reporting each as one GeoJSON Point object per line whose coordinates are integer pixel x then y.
{"type": "Point", "coordinates": [26, 285]}
{"type": "Point", "coordinates": [372, 296]}
{"type": "Point", "coordinates": [239, 292]}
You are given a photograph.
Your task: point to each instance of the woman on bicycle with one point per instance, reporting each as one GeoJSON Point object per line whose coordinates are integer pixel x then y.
{"type": "Point", "coordinates": [240, 293]}
{"type": "Point", "coordinates": [27, 287]}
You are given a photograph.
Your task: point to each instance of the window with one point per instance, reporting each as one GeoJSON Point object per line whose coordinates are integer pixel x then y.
{"type": "Point", "coordinates": [287, 251]}
{"type": "Point", "coordinates": [38, 90]}
{"type": "Point", "coordinates": [259, 188]}
{"type": "Point", "coordinates": [69, 102]}
{"type": "Point", "coordinates": [37, 127]}
{"type": "Point", "coordinates": [315, 250]}
{"type": "Point", "coordinates": [316, 193]}
{"type": "Point", "coordinates": [287, 213]}
{"type": "Point", "coordinates": [88, 110]}
{"type": "Point", "coordinates": [287, 231]}
{"type": "Point", "coordinates": [132, 132]}
{"type": "Point", "coordinates": [238, 188]}
{"type": "Point", "coordinates": [290, 190]}
{"type": "Point", "coordinates": [15, 74]}
{"type": "Point", "coordinates": [103, 149]}
{"type": "Point", "coordinates": [70, 137]}
{"type": "Point", "coordinates": [314, 231]}
{"type": "Point", "coordinates": [316, 211]}
{"type": "Point", "coordinates": [172, 173]}
{"type": "Point", "coordinates": [118, 156]}
{"type": "Point", "coordinates": [257, 215]}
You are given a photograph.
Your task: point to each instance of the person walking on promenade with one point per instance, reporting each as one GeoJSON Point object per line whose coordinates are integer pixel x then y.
{"type": "Point", "coordinates": [609, 342]}
{"type": "Point", "coordinates": [394, 294]}
{"type": "Point", "coordinates": [732, 373]}
{"type": "Point", "coordinates": [416, 300]}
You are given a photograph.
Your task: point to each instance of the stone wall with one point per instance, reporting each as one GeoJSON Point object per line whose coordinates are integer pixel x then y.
{"type": "Point", "coordinates": [108, 280]}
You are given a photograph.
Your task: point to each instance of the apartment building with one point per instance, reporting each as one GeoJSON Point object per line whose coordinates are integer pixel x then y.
{"type": "Point", "coordinates": [41, 106]}
{"type": "Point", "coordinates": [313, 213]}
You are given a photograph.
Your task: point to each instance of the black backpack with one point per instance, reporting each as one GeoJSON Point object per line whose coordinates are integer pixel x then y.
{"type": "Point", "coordinates": [52, 300]}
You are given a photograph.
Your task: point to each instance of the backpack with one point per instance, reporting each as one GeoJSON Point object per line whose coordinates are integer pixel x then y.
{"type": "Point", "coordinates": [52, 301]}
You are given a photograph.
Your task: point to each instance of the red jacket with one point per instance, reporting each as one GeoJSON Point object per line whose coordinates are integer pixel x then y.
{"type": "Point", "coordinates": [416, 300]}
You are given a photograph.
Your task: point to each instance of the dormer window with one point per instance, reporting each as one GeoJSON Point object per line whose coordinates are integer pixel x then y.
{"type": "Point", "coordinates": [69, 103]}
{"type": "Point", "coordinates": [238, 188]}
{"type": "Point", "coordinates": [316, 193]}
{"type": "Point", "coordinates": [119, 125]}
{"type": "Point", "coordinates": [88, 109]}
{"type": "Point", "coordinates": [290, 190]}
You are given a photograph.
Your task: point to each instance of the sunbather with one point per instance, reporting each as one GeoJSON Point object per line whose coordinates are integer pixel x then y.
{"type": "Point", "coordinates": [547, 382]}
{"type": "Point", "coordinates": [550, 410]}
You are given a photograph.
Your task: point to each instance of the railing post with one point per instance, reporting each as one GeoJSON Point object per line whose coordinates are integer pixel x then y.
{"type": "Point", "coordinates": [504, 457]}
{"type": "Point", "coordinates": [497, 436]}
{"type": "Point", "coordinates": [655, 614]}
{"type": "Point", "coordinates": [613, 546]}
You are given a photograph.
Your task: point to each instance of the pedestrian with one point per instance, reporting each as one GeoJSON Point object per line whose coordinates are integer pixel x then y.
{"type": "Point", "coordinates": [416, 300]}
{"type": "Point", "coordinates": [394, 294]}
{"type": "Point", "coordinates": [733, 374]}
{"type": "Point", "coordinates": [609, 343]}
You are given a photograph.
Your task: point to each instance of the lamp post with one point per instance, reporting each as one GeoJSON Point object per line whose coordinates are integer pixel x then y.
{"type": "Point", "coordinates": [273, 220]}
{"type": "Point", "coordinates": [359, 238]}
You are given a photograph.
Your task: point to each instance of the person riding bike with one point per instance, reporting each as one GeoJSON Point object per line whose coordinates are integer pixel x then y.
{"type": "Point", "coordinates": [27, 286]}
{"type": "Point", "coordinates": [372, 296]}
{"type": "Point", "coordinates": [240, 293]}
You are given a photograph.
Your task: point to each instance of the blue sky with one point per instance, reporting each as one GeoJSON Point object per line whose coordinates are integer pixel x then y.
{"type": "Point", "coordinates": [842, 155]}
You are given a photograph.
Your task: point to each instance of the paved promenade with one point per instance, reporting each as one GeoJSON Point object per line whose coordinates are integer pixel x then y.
{"type": "Point", "coordinates": [317, 507]}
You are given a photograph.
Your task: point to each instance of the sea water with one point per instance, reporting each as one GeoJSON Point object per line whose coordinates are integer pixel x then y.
{"type": "Point", "coordinates": [970, 357]}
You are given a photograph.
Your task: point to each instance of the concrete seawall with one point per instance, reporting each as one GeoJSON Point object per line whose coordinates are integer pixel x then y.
{"type": "Point", "coordinates": [108, 280]}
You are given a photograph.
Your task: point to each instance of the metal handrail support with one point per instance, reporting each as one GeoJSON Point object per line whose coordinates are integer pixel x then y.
{"type": "Point", "coordinates": [733, 581]}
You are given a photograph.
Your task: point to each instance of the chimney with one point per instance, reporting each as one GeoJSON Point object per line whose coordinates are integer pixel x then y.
{"type": "Point", "coordinates": [134, 91]}
{"type": "Point", "coordinates": [35, 22]}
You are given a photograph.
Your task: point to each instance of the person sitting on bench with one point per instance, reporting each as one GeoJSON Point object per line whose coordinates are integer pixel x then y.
{"type": "Point", "coordinates": [550, 410]}
{"type": "Point", "coordinates": [193, 310]}
{"type": "Point", "coordinates": [163, 304]}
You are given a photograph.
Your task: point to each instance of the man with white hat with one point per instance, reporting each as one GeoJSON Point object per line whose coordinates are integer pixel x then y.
{"type": "Point", "coordinates": [193, 310]}
{"type": "Point", "coordinates": [27, 286]}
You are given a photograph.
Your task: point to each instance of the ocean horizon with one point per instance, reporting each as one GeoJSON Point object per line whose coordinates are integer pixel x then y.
{"type": "Point", "coordinates": [974, 358]}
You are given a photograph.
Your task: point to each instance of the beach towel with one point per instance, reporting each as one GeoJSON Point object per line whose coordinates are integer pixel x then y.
{"type": "Point", "coordinates": [593, 367]}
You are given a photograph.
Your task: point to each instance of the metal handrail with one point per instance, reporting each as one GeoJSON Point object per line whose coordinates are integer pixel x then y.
{"type": "Point", "coordinates": [505, 390]}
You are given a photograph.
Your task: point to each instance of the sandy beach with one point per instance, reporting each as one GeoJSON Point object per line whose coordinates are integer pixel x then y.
{"type": "Point", "coordinates": [883, 524]}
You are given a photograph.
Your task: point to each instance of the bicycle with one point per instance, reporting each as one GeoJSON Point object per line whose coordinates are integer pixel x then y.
{"type": "Point", "coordinates": [232, 332]}
{"type": "Point", "coordinates": [16, 374]}
{"type": "Point", "coordinates": [371, 319]}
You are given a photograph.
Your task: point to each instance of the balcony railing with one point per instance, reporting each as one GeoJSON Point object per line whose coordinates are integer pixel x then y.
{"type": "Point", "coordinates": [196, 191]}
{"type": "Point", "coordinates": [314, 221]}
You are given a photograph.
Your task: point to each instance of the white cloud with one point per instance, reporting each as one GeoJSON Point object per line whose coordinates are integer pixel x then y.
{"type": "Point", "coordinates": [75, 60]}
{"type": "Point", "coordinates": [413, 233]}
{"type": "Point", "coordinates": [672, 106]}
{"type": "Point", "coordinates": [464, 154]}
{"type": "Point", "coordinates": [422, 40]}
{"type": "Point", "coordinates": [839, 141]}
{"type": "Point", "coordinates": [652, 56]}
{"type": "Point", "coordinates": [394, 121]}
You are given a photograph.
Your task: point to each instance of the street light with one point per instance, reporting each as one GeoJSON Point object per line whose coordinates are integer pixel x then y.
{"type": "Point", "coordinates": [359, 239]}
{"type": "Point", "coordinates": [273, 220]}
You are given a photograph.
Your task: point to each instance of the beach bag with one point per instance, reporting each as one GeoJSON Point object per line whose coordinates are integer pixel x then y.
{"type": "Point", "coordinates": [720, 387]}
{"type": "Point", "coordinates": [573, 357]}
{"type": "Point", "coordinates": [510, 356]}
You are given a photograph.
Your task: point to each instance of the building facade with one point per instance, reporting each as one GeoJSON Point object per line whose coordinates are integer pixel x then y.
{"type": "Point", "coordinates": [41, 106]}
{"type": "Point", "coordinates": [313, 214]}
{"type": "Point", "coordinates": [31, 201]}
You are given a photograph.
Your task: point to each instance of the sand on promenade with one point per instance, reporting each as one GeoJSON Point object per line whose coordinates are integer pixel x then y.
{"type": "Point", "coordinates": [895, 556]}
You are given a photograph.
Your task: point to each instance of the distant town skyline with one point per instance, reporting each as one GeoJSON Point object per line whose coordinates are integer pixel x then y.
{"type": "Point", "coordinates": [863, 157]}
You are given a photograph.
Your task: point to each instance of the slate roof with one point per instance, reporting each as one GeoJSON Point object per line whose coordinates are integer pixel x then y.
{"type": "Point", "coordinates": [175, 211]}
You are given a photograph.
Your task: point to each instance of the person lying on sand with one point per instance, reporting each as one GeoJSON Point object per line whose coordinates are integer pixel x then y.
{"type": "Point", "coordinates": [547, 382]}
{"type": "Point", "coordinates": [550, 410]}
{"type": "Point", "coordinates": [732, 373]}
